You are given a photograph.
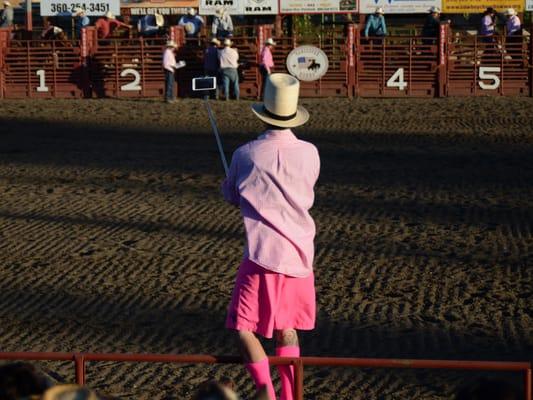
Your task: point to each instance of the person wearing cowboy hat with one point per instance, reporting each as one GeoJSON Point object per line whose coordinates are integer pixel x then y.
{"type": "Point", "coordinates": [211, 62]}
{"type": "Point", "coordinates": [267, 61]}
{"type": "Point", "coordinates": [488, 25]}
{"type": "Point", "coordinates": [271, 179]}
{"type": "Point", "coordinates": [431, 28]}
{"type": "Point", "coordinates": [150, 25]}
{"type": "Point", "coordinates": [106, 26]}
{"type": "Point", "coordinates": [228, 58]}
{"type": "Point", "coordinates": [191, 22]}
{"type": "Point", "coordinates": [170, 66]}
{"type": "Point", "coordinates": [6, 15]}
{"type": "Point", "coordinates": [375, 25]}
{"type": "Point", "coordinates": [81, 20]}
{"type": "Point", "coordinates": [514, 39]}
{"type": "Point", "coordinates": [222, 26]}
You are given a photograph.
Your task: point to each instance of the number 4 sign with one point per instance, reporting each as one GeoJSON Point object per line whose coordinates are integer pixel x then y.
{"type": "Point", "coordinates": [397, 80]}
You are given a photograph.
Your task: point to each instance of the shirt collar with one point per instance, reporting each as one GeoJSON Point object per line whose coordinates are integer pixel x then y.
{"type": "Point", "coordinates": [285, 135]}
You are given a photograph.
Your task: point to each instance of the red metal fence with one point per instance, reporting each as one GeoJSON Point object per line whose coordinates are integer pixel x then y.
{"type": "Point", "coordinates": [395, 66]}
{"type": "Point", "coordinates": [80, 359]}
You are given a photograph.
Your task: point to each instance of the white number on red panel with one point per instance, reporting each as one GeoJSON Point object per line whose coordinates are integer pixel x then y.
{"type": "Point", "coordinates": [42, 81]}
{"type": "Point", "coordinates": [132, 86]}
{"type": "Point", "coordinates": [486, 74]}
{"type": "Point", "coordinates": [397, 80]}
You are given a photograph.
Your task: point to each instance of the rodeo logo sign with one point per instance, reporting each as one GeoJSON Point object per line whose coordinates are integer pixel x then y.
{"type": "Point", "coordinates": [307, 63]}
{"type": "Point", "coordinates": [239, 7]}
{"type": "Point", "coordinates": [260, 7]}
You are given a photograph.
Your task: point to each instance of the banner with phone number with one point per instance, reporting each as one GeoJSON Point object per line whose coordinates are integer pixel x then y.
{"type": "Point", "coordinates": [92, 8]}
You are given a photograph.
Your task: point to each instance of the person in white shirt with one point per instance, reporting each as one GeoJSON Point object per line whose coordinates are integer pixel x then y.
{"type": "Point", "coordinates": [169, 66]}
{"type": "Point", "coordinates": [229, 62]}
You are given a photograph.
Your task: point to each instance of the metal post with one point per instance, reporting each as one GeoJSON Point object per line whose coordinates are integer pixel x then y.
{"type": "Point", "coordinates": [79, 361]}
{"type": "Point", "coordinates": [527, 385]}
{"type": "Point", "coordinates": [29, 19]}
{"type": "Point", "coordinates": [299, 379]}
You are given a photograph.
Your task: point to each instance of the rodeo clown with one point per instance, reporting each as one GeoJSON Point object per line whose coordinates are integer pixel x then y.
{"type": "Point", "coordinates": [272, 180]}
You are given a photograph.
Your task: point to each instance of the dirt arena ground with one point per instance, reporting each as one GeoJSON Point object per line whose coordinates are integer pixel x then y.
{"type": "Point", "coordinates": [114, 238]}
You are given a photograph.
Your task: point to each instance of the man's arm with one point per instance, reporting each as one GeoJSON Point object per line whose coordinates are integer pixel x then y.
{"type": "Point", "coordinates": [367, 26]}
{"type": "Point", "coordinates": [384, 25]}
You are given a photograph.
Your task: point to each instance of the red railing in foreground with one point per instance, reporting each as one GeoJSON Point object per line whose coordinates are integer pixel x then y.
{"type": "Point", "coordinates": [80, 359]}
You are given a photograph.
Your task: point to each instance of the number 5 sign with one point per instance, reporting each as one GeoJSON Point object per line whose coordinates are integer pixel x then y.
{"type": "Point", "coordinates": [485, 73]}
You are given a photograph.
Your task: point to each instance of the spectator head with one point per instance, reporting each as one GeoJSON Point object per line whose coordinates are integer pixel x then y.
{"type": "Point", "coordinates": [191, 11]}
{"type": "Point", "coordinates": [159, 20]}
{"type": "Point", "coordinates": [78, 12]}
{"type": "Point", "coordinates": [434, 10]}
{"type": "Point", "coordinates": [490, 11]}
{"type": "Point", "coordinates": [7, 4]}
{"type": "Point", "coordinates": [510, 12]}
{"type": "Point", "coordinates": [216, 390]}
{"type": "Point", "coordinates": [227, 42]}
{"type": "Point", "coordinates": [69, 392]}
{"type": "Point", "coordinates": [171, 44]}
{"type": "Point", "coordinates": [488, 389]}
{"type": "Point", "coordinates": [220, 11]}
{"type": "Point", "coordinates": [270, 42]}
{"type": "Point", "coordinates": [109, 15]}
{"type": "Point", "coordinates": [379, 11]}
{"type": "Point", "coordinates": [215, 42]}
{"type": "Point", "coordinates": [19, 380]}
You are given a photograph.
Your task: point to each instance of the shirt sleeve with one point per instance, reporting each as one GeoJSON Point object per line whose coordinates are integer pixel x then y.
{"type": "Point", "coordinates": [367, 25]}
{"type": "Point", "coordinates": [229, 188]}
{"type": "Point", "coordinates": [384, 25]}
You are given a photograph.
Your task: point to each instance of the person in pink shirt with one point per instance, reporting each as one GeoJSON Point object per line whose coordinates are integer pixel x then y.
{"type": "Point", "coordinates": [271, 179]}
{"type": "Point", "coordinates": [267, 61]}
{"type": "Point", "coordinates": [106, 26]}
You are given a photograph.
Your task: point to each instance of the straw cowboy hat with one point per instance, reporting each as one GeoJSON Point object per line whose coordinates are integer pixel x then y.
{"type": "Point", "coordinates": [172, 44]}
{"type": "Point", "coordinates": [215, 41]}
{"type": "Point", "coordinates": [270, 42]}
{"type": "Point", "coordinates": [57, 30]}
{"type": "Point", "coordinates": [434, 9]}
{"type": "Point", "coordinates": [7, 3]}
{"type": "Point", "coordinates": [220, 11]}
{"type": "Point", "coordinates": [280, 102]}
{"type": "Point", "coordinates": [69, 392]}
{"type": "Point", "coordinates": [227, 42]}
{"type": "Point", "coordinates": [510, 11]}
{"type": "Point", "coordinates": [110, 15]}
{"type": "Point", "coordinates": [159, 20]}
{"type": "Point", "coordinates": [77, 11]}
{"type": "Point", "coordinates": [379, 10]}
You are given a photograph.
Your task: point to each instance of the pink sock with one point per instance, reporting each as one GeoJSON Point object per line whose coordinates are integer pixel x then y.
{"type": "Point", "coordinates": [260, 372]}
{"type": "Point", "coordinates": [286, 372]}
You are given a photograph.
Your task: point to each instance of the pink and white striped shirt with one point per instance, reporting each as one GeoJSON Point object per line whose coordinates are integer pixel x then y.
{"type": "Point", "coordinates": [267, 60]}
{"type": "Point", "coordinates": [272, 180]}
{"type": "Point", "coordinates": [169, 60]}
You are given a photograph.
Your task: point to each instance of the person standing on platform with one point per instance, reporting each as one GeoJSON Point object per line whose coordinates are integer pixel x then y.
{"type": "Point", "coordinates": [431, 27]}
{"type": "Point", "coordinates": [191, 22]}
{"type": "Point", "coordinates": [229, 63]}
{"type": "Point", "coordinates": [211, 62]}
{"type": "Point", "coordinates": [170, 66]}
{"type": "Point", "coordinates": [267, 61]}
{"type": "Point", "coordinates": [488, 25]}
{"type": "Point", "coordinates": [376, 27]}
{"type": "Point", "coordinates": [514, 33]}
{"type": "Point", "coordinates": [222, 24]}
{"type": "Point", "coordinates": [6, 15]}
{"type": "Point", "coordinates": [106, 26]}
{"type": "Point", "coordinates": [149, 25]}
{"type": "Point", "coordinates": [271, 179]}
{"type": "Point", "coordinates": [80, 21]}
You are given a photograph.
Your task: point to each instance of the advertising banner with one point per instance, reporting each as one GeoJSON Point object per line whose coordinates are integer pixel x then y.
{"type": "Point", "coordinates": [150, 7]}
{"type": "Point", "coordinates": [52, 8]}
{"type": "Point", "coordinates": [399, 6]}
{"type": "Point", "coordinates": [317, 6]}
{"type": "Point", "coordinates": [239, 7]}
{"type": "Point", "coordinates": [478, 6]}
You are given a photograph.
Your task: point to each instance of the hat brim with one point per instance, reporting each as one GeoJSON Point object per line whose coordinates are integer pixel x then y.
{"type": "Point", "coordinates": [301, 117]}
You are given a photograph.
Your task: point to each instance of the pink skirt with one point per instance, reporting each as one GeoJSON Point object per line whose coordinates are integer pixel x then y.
{"type": "Point", "coordinates": [264, 301]}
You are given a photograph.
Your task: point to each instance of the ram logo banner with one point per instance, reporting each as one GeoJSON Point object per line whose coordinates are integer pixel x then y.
{"type": "Point", "coordinates": [239, 7]}
{"type": "Point", "coordinates": [399, 6]}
